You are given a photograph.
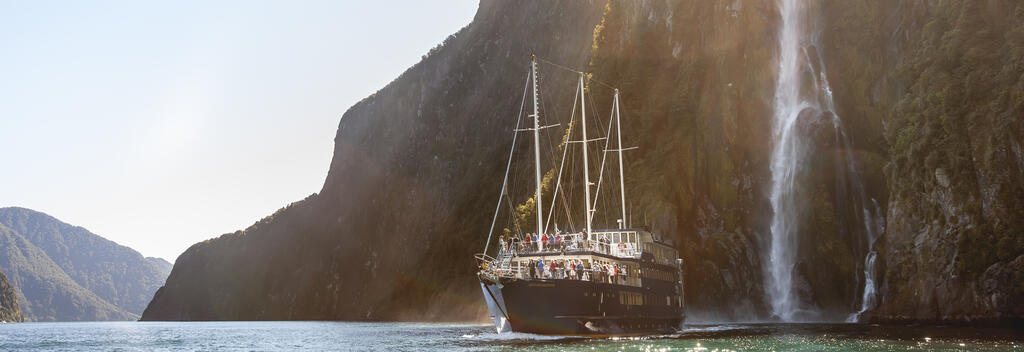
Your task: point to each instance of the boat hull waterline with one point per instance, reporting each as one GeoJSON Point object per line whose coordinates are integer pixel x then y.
{"type": "Point", "coordinates": [573, 308]}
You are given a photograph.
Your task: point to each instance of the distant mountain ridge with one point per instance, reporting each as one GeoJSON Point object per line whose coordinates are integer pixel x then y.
{"type": "Point", "coordinates": [161, 264]}
{"type": "Point", "coordinates": [63, 272]}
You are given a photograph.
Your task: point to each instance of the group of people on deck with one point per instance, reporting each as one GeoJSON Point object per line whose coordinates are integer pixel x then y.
{"type": "Point", "coordinates": [575, 269]}
{"type": "Point", "coordinates": [563, 242]}
{"type": "Point", "coordinates": [558, 242]}
{"type": "Point", "coordinates": [554, 243]}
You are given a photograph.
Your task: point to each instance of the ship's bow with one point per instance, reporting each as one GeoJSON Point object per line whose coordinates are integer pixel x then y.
{"type": "Point", "coordinates": [496, 305]}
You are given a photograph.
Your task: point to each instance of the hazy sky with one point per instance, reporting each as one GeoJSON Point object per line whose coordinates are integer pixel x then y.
{"type": "Point", "coordinates": [159, 124]}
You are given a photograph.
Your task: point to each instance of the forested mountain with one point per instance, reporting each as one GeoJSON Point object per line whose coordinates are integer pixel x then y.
{"type": "Point", "coordinates": [161, 264]}
{"type": "Point", "coordinates": [66, 273]}
{"type": "Point", "coordinates": [10, 310]}
{"type": "Point", "coordinates": [929, 96]}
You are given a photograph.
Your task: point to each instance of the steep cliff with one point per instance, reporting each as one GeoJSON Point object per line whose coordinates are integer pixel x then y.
{"type": "Point", "coordinates": [64, 272]}
{"type": "Point", "coordinates": [10, 310]}
{"type": "Point", "coordinates": [954, 124]}
{"type": "Point", "coordinates": [392, 233]}
{"type": "Point", "coordinates": [696, 85]}
{"type": "Point", "coordinates": [929, 95]}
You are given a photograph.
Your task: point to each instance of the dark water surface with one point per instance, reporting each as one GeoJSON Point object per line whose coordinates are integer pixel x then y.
{"type": "Point", "coordinates": [345, 336]}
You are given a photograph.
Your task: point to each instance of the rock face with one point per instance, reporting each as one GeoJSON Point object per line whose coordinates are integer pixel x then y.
{"type": "Point", "coordinates": [948, 80]}
{"type": "Point", "coordinates": [930, 94]}
{"type": "Point", "coordinates": [65, 273]}
{"type": "Point", "coordinates": [10, 311]}
{"type": "Point", "coordinates": [697, 101]}
{"type": "Point", "coordinates": [392, 233]}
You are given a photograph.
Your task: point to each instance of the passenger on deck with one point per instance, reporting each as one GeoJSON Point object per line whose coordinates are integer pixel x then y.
{"type": "Point", "coordinates": [536, 243]}
{"type": "Point", "coordinates": [554, 270]}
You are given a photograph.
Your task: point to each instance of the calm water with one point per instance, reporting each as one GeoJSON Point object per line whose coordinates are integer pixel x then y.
{"type": "Point", "coordinates": [317, 336]}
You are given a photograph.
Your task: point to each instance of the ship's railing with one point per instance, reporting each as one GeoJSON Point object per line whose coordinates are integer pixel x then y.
{"type": "Point", "coordinates": [494, 268]}
{"type": "Point", "coordinates": [588, 274]}
{"type": "Point", "coordinates": [505, 267]}
{"type": "Point", "coordinates": [599, 242]}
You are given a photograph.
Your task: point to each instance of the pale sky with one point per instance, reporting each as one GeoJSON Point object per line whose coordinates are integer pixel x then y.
{"type": "Point", "coordinates": [159, 124]}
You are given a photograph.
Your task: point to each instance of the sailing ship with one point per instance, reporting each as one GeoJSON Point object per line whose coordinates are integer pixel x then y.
{"type": "Point", "coordinates": [591, 282]}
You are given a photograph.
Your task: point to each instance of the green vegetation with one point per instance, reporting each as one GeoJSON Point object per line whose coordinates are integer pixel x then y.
{"type": "Point", "coordinates": [930, 93]}
{"type": "Point", "coordinates": [957, 131]}
{"type": "Point", "coordinates": [410, 192]}
{"type": "Point", "coordinates": [65, 273]}
{"type": "Point", "coordinates": [10, 310]}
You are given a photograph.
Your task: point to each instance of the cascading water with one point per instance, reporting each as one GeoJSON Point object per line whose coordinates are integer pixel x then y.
{"type": "Point", "coordinates": [870, 218]}
{"type": "Point", "coordinates": [788, 155]}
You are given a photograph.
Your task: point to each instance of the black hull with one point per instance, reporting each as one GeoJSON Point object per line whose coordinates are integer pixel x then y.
{"type": "Point", "coordinates": [573, 307]}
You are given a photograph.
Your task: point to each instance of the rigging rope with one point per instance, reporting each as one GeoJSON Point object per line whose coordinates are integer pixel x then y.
{"type": "Point", "coordinates": [589, 78]}
{"type": "Point", "coordinates": [559, 191]}
{"type": "Point", "coordinates": [565, 149]}
{"type": "Point", "coordinates": [604, 156]}
{"type": "Point", "coordinates": [508, 166]}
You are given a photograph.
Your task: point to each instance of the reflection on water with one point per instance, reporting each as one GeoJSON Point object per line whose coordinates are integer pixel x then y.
{"type": "Point", "coordinates": [345, 336]}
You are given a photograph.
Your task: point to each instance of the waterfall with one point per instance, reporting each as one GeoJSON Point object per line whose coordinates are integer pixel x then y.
{"type": "Point", "coordinates": [873, 225]}
{"type": "Point", "coordinates": [788, 155]}
{"type": "Point", "coordinates": [786, 158]}
{"type": "Point", "coordinates": [871, 218]}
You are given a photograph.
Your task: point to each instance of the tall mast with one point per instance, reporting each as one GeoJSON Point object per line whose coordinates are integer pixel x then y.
{"type": "Point", "coordinates": [586, 167]}
{"type": "Point", "coordinates": [536, 150]}
{"type": "Point", "coordinates": [622, 180]}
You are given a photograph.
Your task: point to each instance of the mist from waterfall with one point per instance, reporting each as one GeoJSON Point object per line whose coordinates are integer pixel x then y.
{"type": "Point", "coordinates": [790, 148]}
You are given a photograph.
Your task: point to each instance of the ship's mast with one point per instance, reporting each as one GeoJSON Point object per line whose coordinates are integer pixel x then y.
{"type": "Point", "coordinates": [536, 151]}
{"type": "Point", "coordinates": [586, 167]}
{"type": "Point", "coordinates": [622, 182]}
